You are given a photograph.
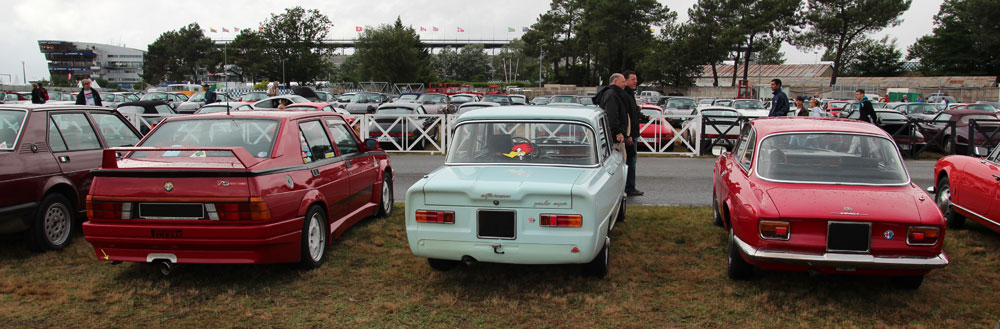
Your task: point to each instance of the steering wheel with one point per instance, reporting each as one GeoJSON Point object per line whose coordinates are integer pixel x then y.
{"type": "Point", "coordinates": [521, 140]}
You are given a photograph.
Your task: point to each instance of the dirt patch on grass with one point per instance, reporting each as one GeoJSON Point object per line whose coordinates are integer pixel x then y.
{"type": "Point", "coordinates": [667, 270]}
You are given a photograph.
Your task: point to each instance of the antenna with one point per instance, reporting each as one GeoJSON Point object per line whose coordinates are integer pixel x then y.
{"type": "Point", "coordinates": [225, 62]}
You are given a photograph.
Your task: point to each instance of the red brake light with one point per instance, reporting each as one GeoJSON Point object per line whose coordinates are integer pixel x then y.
{"type": "Point", "coordinates": [434, 216]}
{"type": "Point", "coordinates": [256, 209]}
{"type": "Point", "coordinates": [103, 209]}
{"type": "Point", "coordinates": [922, 235]}
{"type": "Point", "coordinates": [552, 220]}
{"type": "Point", "coordinates": [775, 230]}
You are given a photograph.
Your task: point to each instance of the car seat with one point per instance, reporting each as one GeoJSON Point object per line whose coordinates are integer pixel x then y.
{"type": "Point", "coordinates": [499, 144]}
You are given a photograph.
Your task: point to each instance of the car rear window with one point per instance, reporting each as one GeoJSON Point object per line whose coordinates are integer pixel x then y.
{"type": "Point", "coordinates": [254, 135]}
{"type": "Point", "coordinates": [534, 143]}
{"type": "Point", "coordinates": [830, 158]}
{"type": "Point", "coordinates": [395, 110]}
{"type": "Point", "coordinates": [680, 103]}
{"type": "Point", "coordinates": [748, 105]}
{"type": "Point", "coordinates": [11, 122]}
{"type": "Point", "coordinates": [966, 118]}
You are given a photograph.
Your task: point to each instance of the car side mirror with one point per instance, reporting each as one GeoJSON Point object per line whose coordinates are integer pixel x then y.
{"type": "Point", "coordinates": [980, 151]}
{"type": "Point", "coordinates": [370, 144]}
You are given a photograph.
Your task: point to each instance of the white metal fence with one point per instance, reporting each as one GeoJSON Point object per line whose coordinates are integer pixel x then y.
{"type": "Point", "coordinates": [431, 133]}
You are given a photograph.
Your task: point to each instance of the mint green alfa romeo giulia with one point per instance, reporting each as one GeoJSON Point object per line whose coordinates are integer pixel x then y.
{"type": "Point", "coordinates": [521, 185]}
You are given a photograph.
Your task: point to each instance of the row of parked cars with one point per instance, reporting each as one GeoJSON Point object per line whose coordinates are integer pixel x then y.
{"type": "Point", "coordinates": [523, 185]}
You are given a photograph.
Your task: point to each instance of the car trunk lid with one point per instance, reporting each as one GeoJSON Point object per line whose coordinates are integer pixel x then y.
{"type": "Point", "coordinates": [846, 203]}
{"type": "Point", "coordinates": [501, 186]}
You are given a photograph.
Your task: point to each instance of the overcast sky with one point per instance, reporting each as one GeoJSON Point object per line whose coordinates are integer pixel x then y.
{"type": "Point", "coordinates": [135, 24]}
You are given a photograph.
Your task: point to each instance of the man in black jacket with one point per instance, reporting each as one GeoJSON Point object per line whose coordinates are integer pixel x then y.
{"type": "Point", "coordinates": [610, 99]}
{"type": "Point", "coordinates": [36, 94]}
{"type": "Point", "coordinates": [779, 102]}
{"type": "Point", "coordinates": [632, 140]}
{"type": "Point", "coordinates": [87, 95]}
{"type": "Point", "coordinates": [867, 110]}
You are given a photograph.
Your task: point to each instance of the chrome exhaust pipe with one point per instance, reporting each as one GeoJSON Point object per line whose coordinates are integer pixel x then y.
{"type": "Point", "coordinates": [165, 266]}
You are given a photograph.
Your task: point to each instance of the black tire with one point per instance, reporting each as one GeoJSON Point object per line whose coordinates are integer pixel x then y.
{"type": "Point", "coordinates": [738, 268]}
{"type": "Point", "coordinates": [53, 226]}
{"type": "Point", "coordinates": [314, 238]}
{"type": "Point", "coordinates": [911, 282]}
{"type": "Point", "coordinates": [386, 201]}
{"type": "Point", "coordinates": [716, 214]}
{"type": "Point", "coordinates": [598, 267]}
{"type": "Point", "coordinates": [942, 197]}
{"type": "Point", "coordinates": [442, 264]}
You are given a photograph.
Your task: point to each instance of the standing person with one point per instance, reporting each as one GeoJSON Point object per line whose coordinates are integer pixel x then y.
{"type": "Point", "coordinates": [45, 93]}
{"type": "Point", "coordinates": [87, 95]}
{"type": "Point", "coordinates": [867, 110]}
{"type": "Point", "coordinates": [272, 90]}
{"type": "Point", "coordinates": [36, 95]}
{"type": "Point", "coordinates": [779, 102]}
{"type": "Point", "coordinates": [815, 110]}
{"type": "Point", "coordinates": [210, 96]}
{"type": "Point", "coordinates": [800, 107]}
{"type": "Point", "coordinates": [610, 100]}
{"type": "Point", "coordinates": [904, 99]}
{"type": "Point", "coordinates": [920, 99]}
{"type": "Point", "coordinates": [632, 133]}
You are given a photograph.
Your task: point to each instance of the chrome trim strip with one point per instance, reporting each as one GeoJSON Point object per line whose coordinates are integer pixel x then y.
{"type": "Point", "coordinates": [867, 250]}
{"type": "Point", "coordinates": [842, 260]}
{"type": "Point", "coordinates": [757, 156]}
{"type": "Point", "coordinates": [974, 213]}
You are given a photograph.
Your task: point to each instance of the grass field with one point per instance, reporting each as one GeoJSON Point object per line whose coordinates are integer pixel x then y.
{"type": "Point", "coordinates": [667, 270]}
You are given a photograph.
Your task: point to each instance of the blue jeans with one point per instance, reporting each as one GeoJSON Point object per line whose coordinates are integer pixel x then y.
{"type": "Point", "coordinates": [630, 159]}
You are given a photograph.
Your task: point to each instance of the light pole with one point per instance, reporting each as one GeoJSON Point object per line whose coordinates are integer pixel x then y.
{"type": "Point", "coordinates": [24, 75]}
{"type": "Point", "coordinates": [539, 65]}
{"type": "Point", "coordinates": [283, 81]}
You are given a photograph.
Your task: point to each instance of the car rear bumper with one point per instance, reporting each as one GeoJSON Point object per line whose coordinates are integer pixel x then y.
{"type": "Point", "coordinates": [17, 218]}
{"type": "Point", "coordinates": [841, 260]}
{"type": "Point", "coordinates": [508, 252]}
{"type": "Point", "coordinates": [276, 242]}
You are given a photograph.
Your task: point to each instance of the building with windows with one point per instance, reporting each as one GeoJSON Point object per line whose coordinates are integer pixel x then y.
{"type": "Point", "coordinates": [78, 60]}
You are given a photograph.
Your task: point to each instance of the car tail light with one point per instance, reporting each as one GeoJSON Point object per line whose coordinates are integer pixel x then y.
{"type": "Point", "coordinates": [551, 220]}
{"type": "Point", "coordinates": [775, 230]}
{"type": "Point", "coordinates": [922, 235]}
{"type": "Point", "coordinates": [434, 216]}
{"type": "Point", "coordinates": [103, 210]}
{"type": "Point", "coordinates": [256, 210]}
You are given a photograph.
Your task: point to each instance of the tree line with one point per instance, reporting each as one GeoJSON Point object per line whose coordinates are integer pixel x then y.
{"type": "Point", "coordinates": [582, 41]}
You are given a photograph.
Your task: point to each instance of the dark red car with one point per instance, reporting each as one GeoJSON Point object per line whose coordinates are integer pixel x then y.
{"type": "Point", "coordinates": [47, 153]}
{"type": "Point", "coordinates": [986, 132]}
{"type": "Point", "coordinates": [967, 188]}
{"type": "Point", "coordinates": [250, 187]}
{"type": "Point", "coordinates": [830, 195]}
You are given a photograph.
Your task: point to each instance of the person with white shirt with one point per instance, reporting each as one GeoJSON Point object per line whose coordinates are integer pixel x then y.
{"type": "Point", "coordinates": [814, 110]}
{"type": "Point", "coordinates": [87, 95]}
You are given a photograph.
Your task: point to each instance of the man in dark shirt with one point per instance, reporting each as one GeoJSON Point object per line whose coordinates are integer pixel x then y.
{"type": "Point", "coordinates": [867, 110]}
{"type": "Point", "coordinates": [210, 96]}
{"type": "Point", "coordinates": [609, 98]}
{"type": "Point", "coordinates": [779, 102]}
{"type": "Point", "coordinates": [631, 141]}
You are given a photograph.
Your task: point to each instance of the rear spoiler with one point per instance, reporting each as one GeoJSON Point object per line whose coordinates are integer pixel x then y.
{"type": "Point", "coordinates": [110, 156]}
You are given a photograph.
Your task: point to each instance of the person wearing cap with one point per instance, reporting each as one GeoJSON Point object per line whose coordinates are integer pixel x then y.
{"type": "Point", "coordinates": [87, 95]}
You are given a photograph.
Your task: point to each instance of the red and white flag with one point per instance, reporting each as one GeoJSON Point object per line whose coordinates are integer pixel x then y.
{"type": "Point", "coordinates": [435, 28]}
{"type": "Point", "coordinates": [358, 28]}
{"type": "Point", "coordinates": [460, 29]}
{"type": "Point", "coordinates": [422, 29]}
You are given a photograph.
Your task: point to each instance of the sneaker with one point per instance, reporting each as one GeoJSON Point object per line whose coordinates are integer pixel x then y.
{"type": "Point", "coordinates": [634, 193]}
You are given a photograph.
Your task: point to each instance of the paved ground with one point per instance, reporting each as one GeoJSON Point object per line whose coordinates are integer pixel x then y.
{"type": "Point", "coordinates": [666, 181]}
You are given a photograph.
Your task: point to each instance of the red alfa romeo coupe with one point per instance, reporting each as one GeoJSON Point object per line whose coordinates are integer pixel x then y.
{"type": "Point", "coordinates": [247, 187]}
{"type": "Point", "coordinates": [830, 195]}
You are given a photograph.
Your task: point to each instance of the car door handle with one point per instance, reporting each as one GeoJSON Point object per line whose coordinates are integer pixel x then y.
{"type": "Point", "coordinates": [63, 159]}
{"type": "Point", "coordinates": [347, 163]}
{"type": "Point", "coordinates": [996, 177]}
{"type": "Point", "coordinates": [315, 172]}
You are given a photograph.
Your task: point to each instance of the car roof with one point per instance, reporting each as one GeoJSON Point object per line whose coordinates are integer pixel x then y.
{"type": "Point", "coordinates": [51, 107]}
{"type": "Point", "coordinates": [466, 104]}
{"type": "Point", "coordinates": [313, 104]}
{"type": "Point", "coordinates": [585, 114]}
{"type": "Point", "coordinates": [772, 125]}
{"type": "Point", "coordinates": [412, 106]}
{"type": "Point", "coordinates": [965, 112]}
{"type": "Point", "coordinates": [292, 115]}
{"type": "Point", "coordinates": [144, 103]}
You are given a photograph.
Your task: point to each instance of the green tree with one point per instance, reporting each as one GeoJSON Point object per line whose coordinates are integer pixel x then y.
{"type": "Point", "coordinates": [871, 58]}
{"type": "Point", "coordinates": [758, 22]}
{"type": "Point", "coordinates": [837, 24]}
{"type": "Point", "coordinates": [618, 34]}
{"type": "Point", "coordinates": [964, 41]}
{"type": "Point", "coordinates": [247, 54]}
{"type": "Point", "coordinates": [769, 52]}
{"type": "Point", "coordinates": [467, 64]}
{"type": "Point", "coordinates": [671, 60]}
{"type": "Point", "coordinates": [177, 55]}
{"type": "Point", "coordinates": [392, 53]}
{"type": "Point", "coordinates": [714, 32]}
{"type": "Point", "coordinates": [295, 50]}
